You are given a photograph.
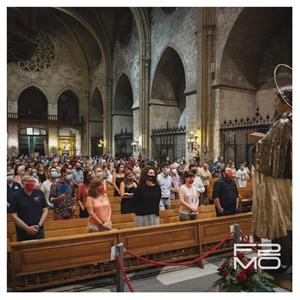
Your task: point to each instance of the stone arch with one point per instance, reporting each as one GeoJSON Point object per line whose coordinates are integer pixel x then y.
{"type": "Point", "coordinates": [96, 113]}
{"type": "Point", "coordinates": [260, 38]}
{"type": "Point", "coordinates": [96, 108]}
{"type": "Point", "coordinates": [123, 117]}
{"type": "Point", "coordinates": [32, 103]}
{"type": "Point", "coordinates": [245, 50]}
{"type": "Point", "coordinates": [123, 99]}
{"type": "Point", "coordinates": [169, 84]}
{"type": "Point", "coordinates": [68, 106]}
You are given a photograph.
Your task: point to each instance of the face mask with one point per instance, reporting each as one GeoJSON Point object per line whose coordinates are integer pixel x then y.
{"type": "Point", "coordinates": [174, 171]}
{"type": "Point", "coordinates": [167, 172]}
{"type": "Point", "coordinates": [190, 181]}
{"type": "Point", "coordinates": [101, 189]}
{"type": "Point", "coordinates": [99, 173]}
{"type": "Point", "coordinates": [229, 174]}
{"type": "Point", "coordinates": [58, 174]}
{"type": "Point", "coordinates": [29, 186]}
{"type": "Point", "coordinates": [130, 179]}
{"type": "Point", "coordinates": [151, 178]}
{"type": "Point", "coordinates": [10, 177]}
{"type": "Point", "coordinates": [54, 174]}
{"type": "Point", "coordinates": [69, 176]}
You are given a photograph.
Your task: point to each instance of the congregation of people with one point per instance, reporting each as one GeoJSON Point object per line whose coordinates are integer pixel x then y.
{"type": "Point", "coordinates": [64, 184]}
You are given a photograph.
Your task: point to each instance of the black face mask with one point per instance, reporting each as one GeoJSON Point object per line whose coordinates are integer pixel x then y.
{"type": "Point", "coordinates": [151, 178]}
{"type": "Point", "coordinates": [130, 179]}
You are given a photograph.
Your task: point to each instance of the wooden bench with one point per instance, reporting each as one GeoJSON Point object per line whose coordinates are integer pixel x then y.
{"type": "Point", "coordinates": [59, 228]}
{"type": "Point", "coordinates": [49, 262]}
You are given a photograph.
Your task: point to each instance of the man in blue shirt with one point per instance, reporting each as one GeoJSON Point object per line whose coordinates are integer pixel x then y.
{"type": "Point", "coordinates": [29, 211]}
{"type": "Point", "coordinates": [77, 174]}
{"type": "Point", "coordinates": [225, 194]}
{"type": "Point", "coordinates": [12, 187]}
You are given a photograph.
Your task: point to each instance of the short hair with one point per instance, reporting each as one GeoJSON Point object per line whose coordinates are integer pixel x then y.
{"type": "Point", "coordinates": [189, 174]}
{"type": "Point", "coordinates": [165, 165]}
{"type": "Point", "coordinates": [26, 177]}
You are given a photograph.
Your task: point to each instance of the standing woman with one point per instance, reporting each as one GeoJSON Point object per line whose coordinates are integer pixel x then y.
{"type": "Point", "coordinates": [127, 189]}
{"type": "Point", "coordinates": [82, 193]}
{"type": "Point", "coordinates": [41, 173]}
{"type": "Point", "coordinates": [117, 178]}
{"type": "Point", "coordinates": [146, 199]}
{"type": "Point", "coordinates": [98, 207]}
{"type": "Point", "coordinates": [189, 198]}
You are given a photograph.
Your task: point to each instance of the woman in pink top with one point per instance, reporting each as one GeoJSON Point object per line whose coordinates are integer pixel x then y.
{"type": "Point", "coordinates": [98, 207]}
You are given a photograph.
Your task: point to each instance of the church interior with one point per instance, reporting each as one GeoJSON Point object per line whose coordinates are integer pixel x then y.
{"type": "Point", "coordinates": [110, 85]}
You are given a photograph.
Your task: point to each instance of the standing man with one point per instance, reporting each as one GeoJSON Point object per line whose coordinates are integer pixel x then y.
{"type": "Point", "coordinates": [165, 181]}
{"type": "Point", "coordinates": [205, 176]}
{"type": "Point", "coordinates": [176, 182]}
{"type": "Point", "coordinates": [12, 187]}
{"type": "Point", "coordinates": [242, 176]}
{"type": "Point", "coordinates": [225, 194]}
{"type": "Point", "coordinates": [197, 181]}
{"type": "Point", "coordinates": [29, 211]}
{"type": "Point", "coordinates": [78, 173]}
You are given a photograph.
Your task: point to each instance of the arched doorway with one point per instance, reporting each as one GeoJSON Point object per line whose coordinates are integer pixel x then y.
{"type": "Point", "coordinates": [167, 107]}
{"type": "Point", "coordinates": [96, 122]}
{"type": "Point", "coordinates": [259, 39]}
{"type": "Point", "coordinates": [32, 104]}
{"type": "Point", "coordinates": [33, 140]}
{"type": "Point", "coordinates": [68, 109]}
{"type": "Point", "coordinates": [123, 117]}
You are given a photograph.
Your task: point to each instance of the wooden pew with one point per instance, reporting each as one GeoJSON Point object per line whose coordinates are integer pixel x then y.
{"type": "Point", "coordinates": [53, 261]}
{"type": "Point", "coordinates": [60, 228]}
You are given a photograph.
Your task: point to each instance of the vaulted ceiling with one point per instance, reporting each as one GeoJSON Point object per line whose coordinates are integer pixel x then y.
{"type": "Point", "coordinates": [93, 31]}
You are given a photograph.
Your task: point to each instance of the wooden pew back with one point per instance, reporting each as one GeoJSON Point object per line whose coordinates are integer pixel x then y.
{"type": "Point", "coordinates": [53, 261]}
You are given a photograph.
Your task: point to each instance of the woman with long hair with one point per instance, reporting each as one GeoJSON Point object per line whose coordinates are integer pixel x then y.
{"type": "Point", "coordinates": [82, 193]}
{"type": "Point", "coordinates": [98, 207]}
{"type": "Point", "coordinates": [146, 199]}
{"type": "Point", "coordinates": [127, 189]}
{"type": "Point", "coordinates": [117, 178]}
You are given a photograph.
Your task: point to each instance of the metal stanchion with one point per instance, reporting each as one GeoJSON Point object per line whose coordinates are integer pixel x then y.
{"type": "Point", "coordinates": [119, 277]}
{"type": "Point", "coordinates": [236, 233]}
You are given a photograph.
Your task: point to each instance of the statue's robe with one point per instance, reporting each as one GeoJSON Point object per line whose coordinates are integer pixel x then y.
{"type": "Point", "coordinates": [272, 181]}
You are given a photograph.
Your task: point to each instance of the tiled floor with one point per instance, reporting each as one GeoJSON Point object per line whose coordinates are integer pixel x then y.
{"type": "Point", "coordinates": [167, 279]}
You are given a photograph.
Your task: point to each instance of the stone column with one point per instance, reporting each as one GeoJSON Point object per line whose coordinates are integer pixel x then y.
{"type": "Point", "coordinates": [144, 108]}
{"type": "Point", "coordinates": [107, 118]}
{"type": "Point", "coordinates": [206, 23]}
{"type": "Point", "coordinates": [86, 134]}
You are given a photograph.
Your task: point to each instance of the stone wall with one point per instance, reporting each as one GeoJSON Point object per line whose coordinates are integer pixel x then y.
{"type": "Point", "coordinates": [68, 71]}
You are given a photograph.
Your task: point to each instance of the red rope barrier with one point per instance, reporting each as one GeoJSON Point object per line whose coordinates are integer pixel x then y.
{"type": "Point", "coordinates": [165, 264]}
{"type": "Point", "coordinates": [124, 274]}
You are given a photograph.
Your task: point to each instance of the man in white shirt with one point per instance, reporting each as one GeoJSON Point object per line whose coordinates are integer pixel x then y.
{"type": "Point", "coordinates": [242, 176]}
{"type": "Point", "coordinates": [197, 181]}
{"type": "Point", "coordinates": [165, 181]}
